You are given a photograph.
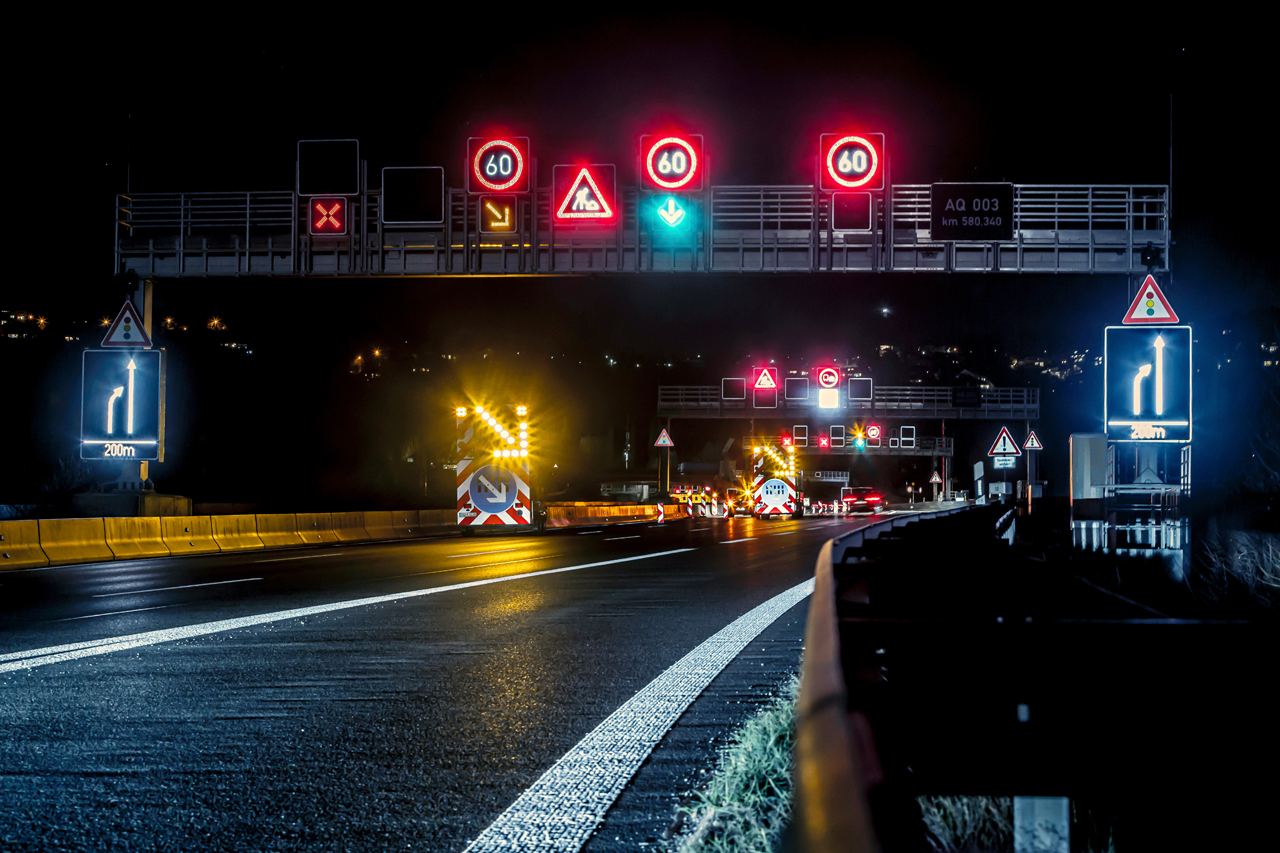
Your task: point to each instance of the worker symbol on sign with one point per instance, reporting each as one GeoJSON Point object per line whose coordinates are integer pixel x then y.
{"type": "Point", "coordinates": [493, 489]}
{"type": "Point", "coordinates": [586, 195]}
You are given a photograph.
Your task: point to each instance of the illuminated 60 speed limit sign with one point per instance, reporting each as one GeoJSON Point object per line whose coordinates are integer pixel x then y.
{"type": "Point", "coordinates": [498, 164]}
{"type": "Point", "coordinates": [852, 161]}
{"type": "Point", "coordinates": [672, 162]}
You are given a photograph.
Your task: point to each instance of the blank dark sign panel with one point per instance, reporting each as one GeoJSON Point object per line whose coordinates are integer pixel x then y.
{"type": "Point", "coordinates": [328, 167]}
{"type": "Point", "coordinates": [413, 195]}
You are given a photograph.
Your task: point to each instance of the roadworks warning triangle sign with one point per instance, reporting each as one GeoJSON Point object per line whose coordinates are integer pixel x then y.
{"type": "Point", "coordinates": [584, 200]}
{"type": "Point", "coordinates": [664, 440]}
{"type": "Point", "coordinates": [1150, 306]}
{"type": "Point", "coordinates": [1005, 445]}
{"type": "Point", "coordinates": [1032, 442]}
{"type": "Point", "coordinates": [766, 381]}
{"type": "Point", "coordinates": [127, 330]}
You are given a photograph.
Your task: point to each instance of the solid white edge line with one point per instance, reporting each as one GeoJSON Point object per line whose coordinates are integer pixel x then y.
{"type": "Point", "coordinates": [72, 651]}
{"type": "Point", "coordinates": [167, 588]}
{"type": "Point", "coordinates": [731, 541]}
{"type": "Point", "coordinates": [567, 803]}
{"type": "Point", "coordinates": [616, 538]}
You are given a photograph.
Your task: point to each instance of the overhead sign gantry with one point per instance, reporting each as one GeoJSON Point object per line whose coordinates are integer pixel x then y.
{"type": "Point", "coordinates": [851, 218]}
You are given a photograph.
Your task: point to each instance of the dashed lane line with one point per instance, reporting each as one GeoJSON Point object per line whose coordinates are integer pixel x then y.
{"type": "Point", "coordinates": [71, 651]}
{"type": "Point", "coordinates": [562, 808]}
{"type": "Point", "coordinates": [168, 588]}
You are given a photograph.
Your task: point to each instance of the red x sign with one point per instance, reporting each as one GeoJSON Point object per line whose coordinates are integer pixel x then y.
{"type": "Point", "coordinates": [328, 216]}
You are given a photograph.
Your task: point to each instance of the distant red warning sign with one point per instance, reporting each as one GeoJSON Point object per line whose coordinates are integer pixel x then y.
{"type": "Point", "coordinates": [664, 440]}
{"type": "Point", "coordinates": [1032, 442]}
{"type": "Point", "coordinates": [1004, 445]}
{"type": "Point", "coordinates": [764, 378]}
{"type": "Point", "coordinates": [127, 330]}
{"type": "Point", "coordinates": [584, 195]}
{"type": "Point", "coordinates": [328, 217]}
{"type": "Point", "coordinates": [1150, 306]}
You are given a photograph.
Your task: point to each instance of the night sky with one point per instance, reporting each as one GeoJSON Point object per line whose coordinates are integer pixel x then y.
{"type": "Point", "coordinates": [177, 111]}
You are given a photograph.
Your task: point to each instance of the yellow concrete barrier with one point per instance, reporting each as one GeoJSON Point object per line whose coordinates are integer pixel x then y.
{"type": "Point", "coordinates": [236, 532]}
{"type": "Point", "coordinates": [74, 540]}
{"type": "Point", "coordinates": [188, 534]}
{"type": "Point", "coordinates": [279, 530]}
{"type": "Point", "coordinates": [379, 525]}
{"type": "Point", "coordinates": [406, 523]}
{"type": "Point", "coordinates": [316, 527]}
{"type": "Point", "coordinates": [130, 538]}
{"type": "Point", "coordinates": [20, 545]}
{"type": "Point", "coordinates": [349, 526]}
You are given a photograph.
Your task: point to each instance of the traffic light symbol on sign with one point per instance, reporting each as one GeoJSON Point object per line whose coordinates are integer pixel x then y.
{"type": "Point", "coordinates": [328, 216]}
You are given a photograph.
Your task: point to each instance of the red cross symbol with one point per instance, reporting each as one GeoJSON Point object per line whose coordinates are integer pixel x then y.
{"type": "Point", "coordinates": [327, 216]}
{"type": "Point", "coordinates": [822, 441]}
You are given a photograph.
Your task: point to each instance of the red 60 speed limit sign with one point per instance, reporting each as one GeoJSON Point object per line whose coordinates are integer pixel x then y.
{"type": "Point", "coordinates": [852, 161]}
{"type": "Point", "coordinates": [498, 164]}
{"type": "Point", "coordinates": [672, 161]}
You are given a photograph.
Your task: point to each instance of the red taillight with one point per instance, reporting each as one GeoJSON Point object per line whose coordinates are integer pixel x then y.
{"type": "Point", "coordinates": [874, 499]}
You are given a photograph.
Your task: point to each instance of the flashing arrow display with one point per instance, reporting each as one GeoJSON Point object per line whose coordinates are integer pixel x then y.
{"type": "Point", "coordinates": [498, 214]}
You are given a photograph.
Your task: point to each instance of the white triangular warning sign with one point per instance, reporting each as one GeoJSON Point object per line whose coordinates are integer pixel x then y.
{"type": "Point", "coordinates": [1150, 306]}
{"type": "Point", "coordinates": [935, 478]}
{"type": "Point", "coordinates": [127, 330]}
{"type": "Point", "coordinates": [584, 200]}
{"type": "Point", "coordinates": [766, 381]}
{"type": "Point", "coordinates": [664, 440]}
{"type": "Point", "coordinates": [1032, 442]}
{"type": "Point", "coordinates": [1005, 445]}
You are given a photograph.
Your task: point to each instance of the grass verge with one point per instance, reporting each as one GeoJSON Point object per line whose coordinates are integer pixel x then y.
{"type": "Point", "coordinates": [747, 804]}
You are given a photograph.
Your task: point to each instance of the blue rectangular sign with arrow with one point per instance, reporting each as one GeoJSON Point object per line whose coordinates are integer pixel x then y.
{"type": "Point", "coordinates": [122, 405]}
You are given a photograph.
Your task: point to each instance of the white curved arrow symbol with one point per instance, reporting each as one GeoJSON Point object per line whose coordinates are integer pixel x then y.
{"type": "Point", "coordinates": [115, 395]}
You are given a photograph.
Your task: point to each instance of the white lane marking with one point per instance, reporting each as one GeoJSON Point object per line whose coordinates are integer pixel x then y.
{"type": "Point", "coordinates": [589, 532]}
{"type": "Point", "coordinates": [784, 533]}
{"type": "Point", "coordinates": [116, 613]}
{"type": "Point", "coordinates": [167, 588]}
{"type": "Point", "coordinates": [616, 538]}
{"type": "Point", "coordinates": [731, 541]}
{"type": "Point", "coordinates": [71, 651]}
{"type": "Point", "coordinates": [307, 557]}
{"type": "Point", "coordinates": [561, 810]}
{"type": "Point", "coordinates": [480, 553]}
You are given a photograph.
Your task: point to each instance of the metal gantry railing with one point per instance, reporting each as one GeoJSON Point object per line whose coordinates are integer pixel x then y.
{"type": "Point", "coordinates": [888, 401]}
{"type": "Point", "coordinates": [758, 228]}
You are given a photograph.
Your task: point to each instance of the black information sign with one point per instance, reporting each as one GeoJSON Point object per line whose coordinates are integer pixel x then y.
{"type": "Point", "coordinates": [971, 212]}
{"type": "Point", "coordinates": [122, 405]}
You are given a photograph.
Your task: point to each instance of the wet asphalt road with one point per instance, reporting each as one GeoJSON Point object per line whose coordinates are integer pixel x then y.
{"type": "Point", "coordinates": [400, 725]}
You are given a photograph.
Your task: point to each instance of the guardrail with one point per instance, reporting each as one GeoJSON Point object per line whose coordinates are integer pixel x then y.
{"type": "Point", "coordinates": [940, 661]}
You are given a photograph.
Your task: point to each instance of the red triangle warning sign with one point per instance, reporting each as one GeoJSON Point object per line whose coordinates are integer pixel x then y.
{"type": "Point", "coordinates": [1005, 445]}
{"type": "Point", "coordinates": [1150, 306]}
{"type": "Point", "coordinates": [1032, 442]}
{"type": "Point", "coordinates": [935, 478]}
{"type": "Point", "coordinates": [664, 440]}
{"type": "Point", "coordinates": [766, 381]}
{"type": "Point", "coordinates": [584, 200]}
{"type": "Point", "coordinates": [127, 330]}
